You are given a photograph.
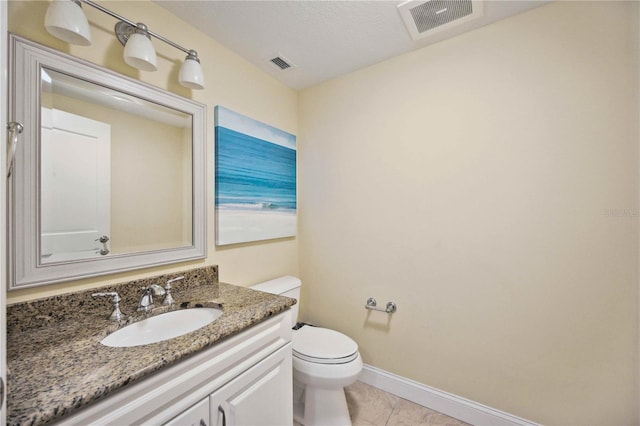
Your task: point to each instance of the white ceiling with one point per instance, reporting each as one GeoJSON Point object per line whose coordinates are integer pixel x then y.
{"type": "Point", "coordinates": [323, 38]}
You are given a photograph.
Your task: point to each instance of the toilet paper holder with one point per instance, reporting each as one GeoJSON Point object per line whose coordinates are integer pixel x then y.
{"type": "Point", "coordinates": [373, 305]}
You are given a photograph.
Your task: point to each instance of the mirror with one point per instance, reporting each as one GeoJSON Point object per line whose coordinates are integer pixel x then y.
{"type": "Point", "coordinates": [86, 211]}
{"type": "Point", "coordinates": [108, 175]}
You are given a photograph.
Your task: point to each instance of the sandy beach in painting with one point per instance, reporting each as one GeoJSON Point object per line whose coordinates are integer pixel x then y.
{"type": "Point", "coordinates": [239, 225]}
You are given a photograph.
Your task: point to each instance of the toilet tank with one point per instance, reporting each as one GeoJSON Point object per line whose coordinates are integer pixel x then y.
{"type": "Point", "coordinates": [284, 286]}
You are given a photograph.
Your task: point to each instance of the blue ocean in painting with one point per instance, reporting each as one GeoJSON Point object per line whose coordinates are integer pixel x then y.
{"type": "Point", "coordinates": [253, 174]}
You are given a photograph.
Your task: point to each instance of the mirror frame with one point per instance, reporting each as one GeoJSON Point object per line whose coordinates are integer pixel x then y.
{"type": "Point", "coordinates": [26, 59]}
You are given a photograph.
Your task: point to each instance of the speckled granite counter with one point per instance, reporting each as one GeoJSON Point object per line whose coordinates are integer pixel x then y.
{"type": "Point", "coordinates": [56, 362]}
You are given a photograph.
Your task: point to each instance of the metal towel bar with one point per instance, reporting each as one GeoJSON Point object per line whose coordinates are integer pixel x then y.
{"type": "Point", "coordinates": [373, 305]}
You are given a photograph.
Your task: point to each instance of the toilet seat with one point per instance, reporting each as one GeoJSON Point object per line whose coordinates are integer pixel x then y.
{"type": "Point", "coordinates": [323, 346]}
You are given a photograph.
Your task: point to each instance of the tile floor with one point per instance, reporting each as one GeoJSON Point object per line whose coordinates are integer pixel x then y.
{"type": "Point", "coordinates": [371, 406]}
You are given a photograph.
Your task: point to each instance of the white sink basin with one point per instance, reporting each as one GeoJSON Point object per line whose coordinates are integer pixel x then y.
{"type": "Point", "coordinates": [162, 327]}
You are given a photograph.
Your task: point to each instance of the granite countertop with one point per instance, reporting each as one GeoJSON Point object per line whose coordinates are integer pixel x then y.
{"type": "Point", "coordinates": [56, 363]}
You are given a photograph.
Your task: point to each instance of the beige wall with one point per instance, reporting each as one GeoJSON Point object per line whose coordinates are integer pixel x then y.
{"type": "Point", "coordinates": [482, 183]}
{"type": "Point", "coordinates": [148, 215]}
{"type": "Point", "coordinates": [231, 81]}
{"type": "Point", "coordinates": [487, 185]}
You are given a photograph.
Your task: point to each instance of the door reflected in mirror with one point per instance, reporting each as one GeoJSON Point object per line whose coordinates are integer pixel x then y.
{"type": "Point", "coordinates": [111, 166]}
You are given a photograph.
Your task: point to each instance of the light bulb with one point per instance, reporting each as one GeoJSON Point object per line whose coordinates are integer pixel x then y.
{"type": "Point", "coordinates": [191, 74]}
{"type": "Point", "coordinates": [66, 20]}
{"type": "Point", "coordinates": [139, 51]}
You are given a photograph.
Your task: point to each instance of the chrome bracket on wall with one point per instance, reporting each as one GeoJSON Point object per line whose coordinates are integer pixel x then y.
{"type": "Point", "coordinates": [373, 305]}
{"type": "Point", "coordinates": [14, 129]}
{"type": "Point", "coordinates": [105, 250]}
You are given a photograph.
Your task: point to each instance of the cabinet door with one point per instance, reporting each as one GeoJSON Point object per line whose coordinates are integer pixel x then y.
{"type": "Point", "coordinates": [198, 415]}
{"type": "Point", "coordinates": [261, 396]}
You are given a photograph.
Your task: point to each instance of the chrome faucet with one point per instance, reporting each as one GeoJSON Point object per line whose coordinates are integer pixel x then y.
{"type": "Point", "coordinates": [146, 300]}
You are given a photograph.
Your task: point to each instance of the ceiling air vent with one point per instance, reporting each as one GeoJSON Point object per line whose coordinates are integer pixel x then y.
{"type": "Point", "coordinates": [282, 62]}
{"type": "Point", "coordinates": [423, 18]}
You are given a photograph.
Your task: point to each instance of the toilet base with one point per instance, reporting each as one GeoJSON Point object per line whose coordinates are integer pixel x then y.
{"type": "Point", "coordinates": [318, 391]}
{"type": "Point", "coordinates": [322, 407]}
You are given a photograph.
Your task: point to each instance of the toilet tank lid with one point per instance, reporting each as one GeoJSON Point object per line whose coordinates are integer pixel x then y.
{"type": "Point", "coordinates": [279, 285]}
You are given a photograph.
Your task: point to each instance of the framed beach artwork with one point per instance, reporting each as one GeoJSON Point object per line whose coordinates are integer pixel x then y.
{"type": "Point", "coordinates": [255, 180]}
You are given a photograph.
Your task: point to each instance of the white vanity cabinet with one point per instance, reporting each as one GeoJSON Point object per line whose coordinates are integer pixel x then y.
{"type": "Point", "coordinates": [253, 398]}
{"type": "Point", "coordinates": [243, 380]}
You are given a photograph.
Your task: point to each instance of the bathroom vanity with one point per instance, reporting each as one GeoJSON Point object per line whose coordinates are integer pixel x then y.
{"type": "Point", "coordinates": [235, 370]}
{"type": "Point", "coordinates": [239, 381]}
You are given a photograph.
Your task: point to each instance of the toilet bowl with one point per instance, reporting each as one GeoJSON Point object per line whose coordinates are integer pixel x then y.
{"type": "Point", "coordinates": [324, 362]}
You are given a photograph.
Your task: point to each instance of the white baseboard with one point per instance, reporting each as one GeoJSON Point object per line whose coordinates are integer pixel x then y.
{"type": "Point", "coordinates": [435, 399]}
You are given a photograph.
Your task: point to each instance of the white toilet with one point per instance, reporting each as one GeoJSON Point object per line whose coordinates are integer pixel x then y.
{"type": "Point", "coordinates": [324, 362]}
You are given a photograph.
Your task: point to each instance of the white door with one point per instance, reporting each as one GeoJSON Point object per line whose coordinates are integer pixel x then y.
{"type": "Point", "coordinates": [261, 396]}
{"type": "Point", "coordinates": [75, 186]}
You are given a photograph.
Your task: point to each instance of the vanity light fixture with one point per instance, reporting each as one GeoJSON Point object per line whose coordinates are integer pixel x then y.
{"type": "Point", "coordinates": [66, 20]}
{"type": "Point", "coordinates": [138, 50]}
{"type": "Point", "coordinates": [191, 72]}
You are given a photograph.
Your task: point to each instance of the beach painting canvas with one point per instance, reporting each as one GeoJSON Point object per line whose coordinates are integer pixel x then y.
{"type": "Point", "coordinates": [255, 180]}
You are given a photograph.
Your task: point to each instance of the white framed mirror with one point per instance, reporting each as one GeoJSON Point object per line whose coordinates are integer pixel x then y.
{"type": "Point", "coordinates": [109, 172]}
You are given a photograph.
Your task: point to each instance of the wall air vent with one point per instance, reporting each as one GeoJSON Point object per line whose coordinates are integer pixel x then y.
{"type": "Point", "coordinates": [282, 62]}
{"type": "Point", "coordinates": [423, 18]}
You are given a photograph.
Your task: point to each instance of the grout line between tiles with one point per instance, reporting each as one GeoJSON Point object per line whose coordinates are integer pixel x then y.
{"type": "Point", "coordinates": [393, 409]}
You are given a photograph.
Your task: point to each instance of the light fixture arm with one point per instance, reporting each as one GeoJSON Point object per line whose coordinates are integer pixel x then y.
{"type": "Point", "coordinates": [135, 25]}
{"type": "Point", "coordinates": [66, 21]}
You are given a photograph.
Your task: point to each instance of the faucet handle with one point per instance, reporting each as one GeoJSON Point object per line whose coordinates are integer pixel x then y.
{"type": "Point", "coordinates": [181, 277]}
{"type": "Point", "coordinates": [117, 314]}
{"type": "Point", "coordinates": [168, 299]}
